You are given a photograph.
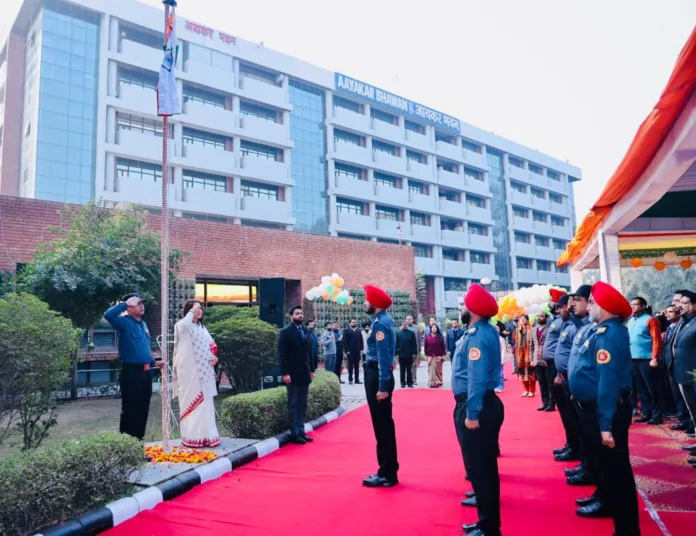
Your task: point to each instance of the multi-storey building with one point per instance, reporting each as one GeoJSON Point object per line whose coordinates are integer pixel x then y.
{"type": "Point", "coordinates": [268, 140]}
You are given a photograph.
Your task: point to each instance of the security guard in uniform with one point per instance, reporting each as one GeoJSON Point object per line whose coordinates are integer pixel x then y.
{"type": "Point", "coordinates": [480, 429]}
{"type": "Point", "coordinates": [379, 385]}
{"type": "Point", "coordinates": [551, 343]}
{"type": "Point", "coordinates": [600, 381]}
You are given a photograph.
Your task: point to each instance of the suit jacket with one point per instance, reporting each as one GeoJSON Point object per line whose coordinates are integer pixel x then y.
{"type": "Point", "coordinates": [353, 341]}
{"type": "Point", "coordinates": [667, 347]}
{"type": "Point", "coordinates": [684, 347]}
{"type": "Point", "coordinates": [406, 343]}
{"type": "Point", "coordinates": [295, 354]}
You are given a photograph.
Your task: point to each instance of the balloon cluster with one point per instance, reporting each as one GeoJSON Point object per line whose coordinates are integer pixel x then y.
{"type": "Point", "coordinates": [331, 290]}
{"type": "Point", "coordinates": [530, 300]}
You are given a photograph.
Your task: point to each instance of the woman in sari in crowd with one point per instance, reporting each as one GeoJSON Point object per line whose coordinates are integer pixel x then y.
{"type": "Point", "coordinates": [195, 357]}
{"type": "Point", "coordinates": [523, 354]}
{"type": "Point", "coordinates": [435, 350]}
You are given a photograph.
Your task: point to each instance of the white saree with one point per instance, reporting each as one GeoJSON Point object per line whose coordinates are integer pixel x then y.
{"type": "Point", "coordinates": [194, 383]}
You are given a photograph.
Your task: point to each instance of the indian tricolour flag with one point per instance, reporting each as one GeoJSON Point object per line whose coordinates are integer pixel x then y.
{"type": "Point", "coordinates": [167, 96]}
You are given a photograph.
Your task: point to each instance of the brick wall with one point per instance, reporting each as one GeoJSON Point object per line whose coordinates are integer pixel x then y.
{"type": "Point", "coordinates": [228, 250]}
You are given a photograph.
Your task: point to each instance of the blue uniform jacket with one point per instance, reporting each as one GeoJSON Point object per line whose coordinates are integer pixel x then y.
{"type": "Point", "coordinates": [565, 344]}
{"type": "Point", "coordinates": [133, 336]}
{"type": "Point", "coordinates": [460, 365]}
{"type": "Point", "coordinates": [602, 371]}
{"type": "Point", "coordinates": [551, 341]}
{"type": "Point", "coordinates": [581, 335]}
{"type": "Point", "coordinates": [482, 350]}
{"type": "Point", "coordinates": [381, 347]}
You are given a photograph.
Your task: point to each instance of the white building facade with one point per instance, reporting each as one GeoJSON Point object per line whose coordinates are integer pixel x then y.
{"type": "Point", "coordinates": [268, 140]}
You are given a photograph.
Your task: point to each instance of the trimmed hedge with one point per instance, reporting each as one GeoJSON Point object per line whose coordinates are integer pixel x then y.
{"type": "Point", "coordinates": [50, 486]}
{"type": "Point", "coordinates": [264, 413]}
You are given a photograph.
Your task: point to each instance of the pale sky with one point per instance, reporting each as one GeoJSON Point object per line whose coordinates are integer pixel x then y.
{"type": "Point", "coordinates": [573, 79]}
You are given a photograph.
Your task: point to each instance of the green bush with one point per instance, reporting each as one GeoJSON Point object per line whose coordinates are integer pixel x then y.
{"type": "Point", "coordinates": [218, 313]}
{"type": "Point", "coordinates": [264, 413]}
{"type": "Point", "coordinates": [247, 347]}
{"type": "Point", "coordinates": [49, 486]}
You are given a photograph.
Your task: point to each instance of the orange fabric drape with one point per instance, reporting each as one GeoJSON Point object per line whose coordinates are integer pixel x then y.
{"type": "Point", "coordinates": [640, 154]}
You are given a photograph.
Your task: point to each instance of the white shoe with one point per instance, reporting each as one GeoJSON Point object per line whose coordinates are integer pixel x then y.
{"type": "Point", "coordinates": [525, 393]}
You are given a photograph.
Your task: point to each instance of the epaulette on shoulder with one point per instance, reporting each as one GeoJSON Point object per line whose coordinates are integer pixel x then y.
{"type": "Point", "coordinates": [470, 331]}
{"type": "Point", "coordinates": [601, 330]}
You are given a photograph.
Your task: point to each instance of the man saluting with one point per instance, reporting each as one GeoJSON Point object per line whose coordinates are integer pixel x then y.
{"type": "Point", "coordinates": [484, 414]}
{"type": "Point", "coordinates": [600, 382]}
{"type": "Point", "coordinates": [379, 385]}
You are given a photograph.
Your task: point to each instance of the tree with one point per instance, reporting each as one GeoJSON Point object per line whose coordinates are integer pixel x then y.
{"type": "Point", "coordinates": [656, 287]}
{"type": "Point", "coordinates": [38, 348]}
{"type": "Point", "coordinates": [98, 258]}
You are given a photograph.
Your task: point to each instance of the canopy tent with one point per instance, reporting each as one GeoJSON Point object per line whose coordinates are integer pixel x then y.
{"type": "Point", "coordinates": [647, 208]}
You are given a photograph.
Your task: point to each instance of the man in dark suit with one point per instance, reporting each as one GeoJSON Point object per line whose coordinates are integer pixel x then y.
{"type": "Point", "coordinates": [353, 346]}
{"type": "Point", "coordinates": [297, 368]}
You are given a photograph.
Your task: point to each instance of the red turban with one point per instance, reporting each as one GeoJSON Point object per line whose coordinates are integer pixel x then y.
{"type": "Point", "coordinates": [377, 297]}
{"type": "Point", "coordinates": [480, 302]}
{"type": "Point", "coordinates": [611, 300]}
{"type": "Point", "coordinates": [556, 294]}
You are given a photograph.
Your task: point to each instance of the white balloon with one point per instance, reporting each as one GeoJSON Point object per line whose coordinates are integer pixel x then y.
{"type": "Point", "coordinates": [309, 295]}
{"type": "Point", "coordinates": [325, 280]}
{"type": "Point", "coordinates": [334, 275]}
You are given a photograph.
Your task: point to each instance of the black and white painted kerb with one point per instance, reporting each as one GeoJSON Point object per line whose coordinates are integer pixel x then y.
{"type": "Point", "coordinates": [122, 510]}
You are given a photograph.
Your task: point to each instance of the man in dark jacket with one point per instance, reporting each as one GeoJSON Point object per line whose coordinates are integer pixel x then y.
{"type": "Point", "coordinates": [338, 335]}
{"type": "Point", "coordinates": [673, 316]}
{"type": "Point", "coordinates": [314, 344]}
{"type": "Point", "coordinates": [684, 352]}
{"type": "Point", "coordinates": [406, 351]}
{"type": "Point", "coordinates": [297, 368]}
{"type": "Point", "coordinates": [453, 335]}
{"type": "Point", "coordinates": [353, 347]}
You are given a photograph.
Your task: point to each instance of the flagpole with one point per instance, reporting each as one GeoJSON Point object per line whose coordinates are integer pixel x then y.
{"type": "Point", "coordinates": [164, 294]}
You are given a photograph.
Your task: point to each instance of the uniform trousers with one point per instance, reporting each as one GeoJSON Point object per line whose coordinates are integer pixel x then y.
{"type": "Point", "coordinates": [479, 450]}
{"type": "Point", "coordinates": [569, 417]}
{"type": "Point", "coordinates": [382, 422]}
{"type": "Point", "coordinates": [460, 426]}
{"type": "Point", "coordinates": [405, 371]}
{"type": "Point", "coordinates": [551, 373]}
{"type": "Point", "coordinates": [136, 390]}
{"type": "Point", "coordinates": [297, 408]}
{"type": "Point", "coordinates": [615, 481]}
{"type": "Point", "coordinates": [543, 385]}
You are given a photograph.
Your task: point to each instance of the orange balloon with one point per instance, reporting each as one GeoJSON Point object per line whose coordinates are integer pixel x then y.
{"type": "Point", "coordinates": [686, 264]}
{"type": "Point", "coordinates": [659, 266]}
{"type": "Point", "coordinates": [636, 263]}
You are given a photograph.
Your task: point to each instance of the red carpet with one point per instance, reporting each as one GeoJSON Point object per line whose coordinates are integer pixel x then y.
{"type": "Point", "coordinates": [316, 489]}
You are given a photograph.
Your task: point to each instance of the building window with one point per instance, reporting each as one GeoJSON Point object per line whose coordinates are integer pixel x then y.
{"type": "Point", "coordinates": [539, 217]}
{"type": "Point", "coordinates": [222, 292]}
{"type": "Point", "coordinates": [541, 241]}
{"type": "Point", "coordinates": [473, 174]}
{"type": "Point", "coordinates": [523, 238]}
{"type": "Point", "coordinates": [561, 269]}
{"type": "Point", "coordinates": [416, 187]}
{"type": "Point", "coordinates": [449, 195]}
{"type": "Point", "coordinates": [349, 206]}
{"type": "Point", "coordinates": [143, 125]}
{"type": "Point", "coordinates": [205, 139]}
{"type": "Point", "coordinates": [478, 230]}
{"type": "Point", "coordinates": [445, 138]}
{"type": "Point", "coordinates": [475, 201]}
{"type": "Point", "coordinates": [553, 175]}
{"type": "Point", "coordinates": [259, 74]}
{"type": "Point", "coordinates": [137, 78]}
{"type": "Point", "coordinates": [418, 218]}
{"type": "Point", "coordinates": [204, 97]}
{"type": "Point", "coordinates": [453, 255]}
{"type": "Point", "coordinates": [539, 194]}
{"type": "Point", "coordinates": [556, 198]}
{"type": "Point", "coordinates": [557, 222]}
{"type": "Point", "coordinates": [204, 181]}
{"type": "Point", "coordinates": [525, 264]}
{"type": "Point", "coordinates": [520, 212]}
{"type": "Point", "coordinates": [206, 56]}
{"type": "Point", "coordinates": [414, 127]}
{"type": "Point", "coordinates": [256, 150]}
{"type": "Point", "coordinates": [379, 115]}
{"type": "Point", "coordinates": [350, 172]}
{"type": "Point", "coordinates": [454, 284]}
{"type": "Point", "coordinates": [559, 244]}
{"type": "Point", "coordinates": [413, 156]}
{"type": "Point", "coordinates": [517, 162]}
{"type": "Point", "coordinates": [471, 146]}
{"type": "Point", "coordinates": [256, 110]}
{"type": "Point", "coordinates": [446, 165]}
{"type": "Point", "coordinates": [349, 137]}
{"type": "Point", "coordinates": [340, 102]}
{"type": "Point", "coordinates": [387, 148]}
{"type": "Point", "coordinates": [259, 190]}
{"type": "Point", "coordinates": [451, 225]}
{"type": "Point", "coordinates": [479, 257]}
{"type": "Point", "coordinates": [536, 169]}
{"type": "Point", "coordinates": [138, 170]}
{"type": "Point", "coordinates": [421, 250]}
{"type": "Point", "coordinates": [140, 35]}
{"type": "Point", "coordinates": [382, 179]}
{"type": "Point", "coordinates": [543, 266]}
{"type": "Point", "coordinates": [387, 213]}
{"type": "Point", "coordinates": [518, 187]}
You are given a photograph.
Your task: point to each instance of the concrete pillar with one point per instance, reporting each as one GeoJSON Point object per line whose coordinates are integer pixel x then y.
{"type": "Point", "coordinates": [439, 287]}
{"type": "Point", "coordinates": [609, 260]}
{"type": "Point", "coordinates": [333, 214]}
{"type": "Point", "coordinates": [113, 34]}
{"type": "Point", "coordinates": [576, 278]}
{"type": "Point", "coordinates": [111, 125]}
{"type": "Point", "coordinates": [112, 81]}
{"type": "Point", "coordinates": [235, 68]}
{"type": "Point", "coordinates": [110, 173]}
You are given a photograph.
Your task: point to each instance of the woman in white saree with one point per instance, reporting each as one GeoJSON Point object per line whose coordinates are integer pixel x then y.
{"type": "Point", "coordinates": [195, 356]}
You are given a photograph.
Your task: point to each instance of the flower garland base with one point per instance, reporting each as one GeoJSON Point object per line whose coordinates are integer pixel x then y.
{"type": "Point", "coordinates": [156, 454]}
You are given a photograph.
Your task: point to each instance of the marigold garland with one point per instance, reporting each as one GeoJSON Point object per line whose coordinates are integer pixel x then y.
{"type": "Point", "coordinates": [178, 455]}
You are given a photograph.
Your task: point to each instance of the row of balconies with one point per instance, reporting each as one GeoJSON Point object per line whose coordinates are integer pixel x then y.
{"type": "Point", "coordinates": [143, 101]}
{"type": "Point", "coordinates": [401, 166]}
{"type": "Point", "coordinates": [206, 75]}
{"type": "Point", "coordinates": [137, 145]}
{"type": "Point", "coordinates": [398, 134]}
{"type": "Point", "coordinates": [438, 266]}
{"type": "Point", "coordinates": [534, 251]}
{"type": "Point", "coordinates": [528, 225]}
{"type": "Point", "coordinates": [526, 199]}
{"type": "Point", "coordinates": [534, 179]}
{"type": "Point", "coordinates": [541, 277]}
